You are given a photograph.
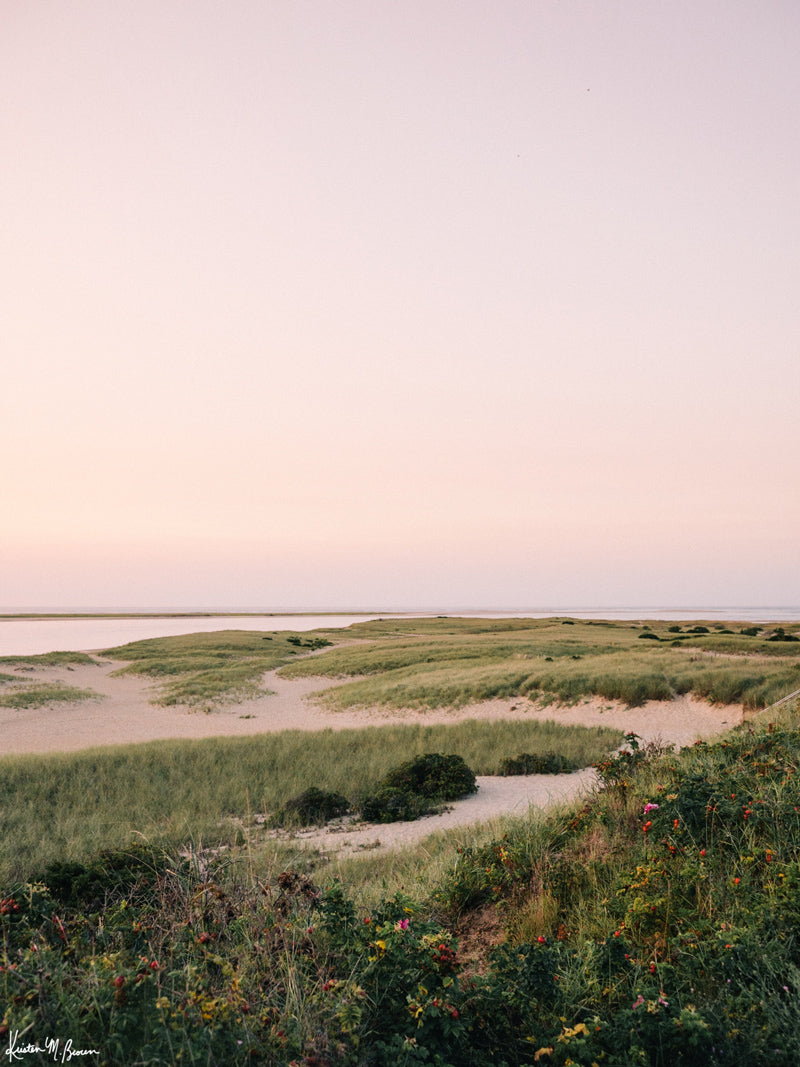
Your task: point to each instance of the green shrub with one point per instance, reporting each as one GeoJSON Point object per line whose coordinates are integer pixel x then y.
{"type": "Point", "coordinates": [389, 804]}
{"type": "Point", "coordinates": [781, 635]}
{"type": "Point", "coordinates": [312, 807]}
{"type": "Point", "coordinates": [405, 793]}
{"type": "Point", "coordinates": [537, 763]}
{"type": "Point", "coordinates": [433, 775]}
{"type": "Point", "coordinates": [311, 642]}
{"type": "Point", "coordinates": [111, 875]}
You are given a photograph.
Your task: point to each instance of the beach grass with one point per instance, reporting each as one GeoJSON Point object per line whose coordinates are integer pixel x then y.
{"type": "Point", "coordinates": [451, 662]}
{"type": "Point", "coordinates": [455, 662]}
{"type": "Point", "coordinates": [39, 694]}
{"type": "Point", "coordinates": [655, 922]}
{"type": "Point", "coordinates": [215, 668]}
{"type": "Point", "coordinates": [70, 804]}
{"type": "Point", "coordinates": [18, 692]}
{"type": "Point", "coordinates": [49, 659]}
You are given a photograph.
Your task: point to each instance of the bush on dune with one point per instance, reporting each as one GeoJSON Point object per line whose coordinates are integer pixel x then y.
{"type": "Point", "coordinates": [656, 925]}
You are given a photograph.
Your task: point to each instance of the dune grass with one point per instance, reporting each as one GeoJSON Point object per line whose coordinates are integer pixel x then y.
{"type": "Point", "coordinates": [214, 668]}
{"type": "Point", "coordinates": [18, 692]}
{"type": "Point", "coordinates": [71, 804]}
{"type": "Point", "coordinates": [453, 662]}
{"type": "Point", "coordinates": [39, 694]}
{"type": "Point", "coordinates": [656, 923]}
{"type": "Point", "coordinates": [446, 662]}
{"type": "Point", "coordinates": [49, 659]}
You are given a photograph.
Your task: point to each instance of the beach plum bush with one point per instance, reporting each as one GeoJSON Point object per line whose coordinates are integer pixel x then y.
{"type": "Point", "coordinates": [312, 807]}
{"type": "Point", "coordinates": [389, 804]}
{"type": "Point", "coordinates": [311, 642]}
{"type": "Point", "coordinates": [434, 775]}
{"type": "Point", "coordinates": [113, 872]}
{"type": "Point", "coordinates": [416, 787]}
{"type": "Point", "coordinates": [781, 635]}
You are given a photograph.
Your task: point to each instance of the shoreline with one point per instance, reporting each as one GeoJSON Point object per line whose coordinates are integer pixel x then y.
{"type": "Point", "coordinates": [28, 633]}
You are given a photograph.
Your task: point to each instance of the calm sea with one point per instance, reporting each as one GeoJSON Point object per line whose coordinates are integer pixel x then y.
{"type": "Point", "coordinates": [27, 637]}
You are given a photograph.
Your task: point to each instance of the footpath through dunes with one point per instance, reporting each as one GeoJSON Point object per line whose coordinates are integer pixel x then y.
{"type": "Point", "coordinates": [123, 712]}
{"type": "Point", "coordinates": [495, 797]}
{"type": "Point", "coordinates": [677, 722]}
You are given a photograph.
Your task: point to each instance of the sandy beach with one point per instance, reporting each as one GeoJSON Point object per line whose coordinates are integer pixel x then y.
{"type": "Point", "coordinates": [124, 714]}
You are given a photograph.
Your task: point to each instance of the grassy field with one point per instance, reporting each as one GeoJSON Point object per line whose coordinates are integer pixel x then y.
{"type": "Point", "coordinates": [214, 668]}
{"type": "Point", "coordinates": [48, 659]}
{"type": "Point", "coordinates": [36, 695]}
{"type": "Point", "coordinates": [453, 662]}
{"type": "Point", "coordinates": [72, 804]}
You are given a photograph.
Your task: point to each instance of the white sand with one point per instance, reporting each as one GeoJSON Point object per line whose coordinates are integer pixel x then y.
{"type": "Point", "coordinates": [125, 715]}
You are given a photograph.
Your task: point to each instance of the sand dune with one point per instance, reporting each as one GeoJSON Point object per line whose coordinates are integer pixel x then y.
{"type": "Point", "coordinates": [123, 714]}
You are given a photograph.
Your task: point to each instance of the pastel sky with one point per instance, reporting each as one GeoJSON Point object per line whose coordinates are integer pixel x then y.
{"type": "Point", "coordinates": [379, 303]}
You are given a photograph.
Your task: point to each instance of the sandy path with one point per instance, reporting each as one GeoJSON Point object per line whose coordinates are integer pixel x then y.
{"type": "Point", "coordinates": [495, 797]}
{"type": "Point", "coordinates": [678, 722]}
{"type": "Point", "coordinates": [123, 714]}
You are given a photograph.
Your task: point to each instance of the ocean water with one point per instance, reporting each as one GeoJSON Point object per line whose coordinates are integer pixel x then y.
{"type": "Point", "coordinates": [32, 636]}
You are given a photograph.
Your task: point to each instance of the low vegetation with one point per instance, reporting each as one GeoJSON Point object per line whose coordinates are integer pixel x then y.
{"type": "Point", "coordinates": [207, 670]}
{"type": "Point", "coordinates": [415, 788]}
{"type": "Point", "coordinates": [48, 659]}
{"type": "Point", "coordinates": [429, 663]}
{"type": "Point", "coordinates": [145, 913]}
{"type": "Point", "coordinates": [219, 791]}
{"type": "Point", "coordinates": [656, 924]}
{"type": "Point", "coordinates": [37, 695]}
{"type": "Point", "coordinates": [17, 691]}
{"type": "Point", "coordinates": [312, 807]}
{"type": "Point", "coordinates": [537, 763]}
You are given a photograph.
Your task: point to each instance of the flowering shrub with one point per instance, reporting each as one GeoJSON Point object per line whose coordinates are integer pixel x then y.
{"type": "Point", "coordinates": [678, 945]}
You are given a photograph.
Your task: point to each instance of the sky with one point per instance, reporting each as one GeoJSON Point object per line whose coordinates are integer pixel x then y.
{"type": "Point", "coordinates": [366, 304]}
